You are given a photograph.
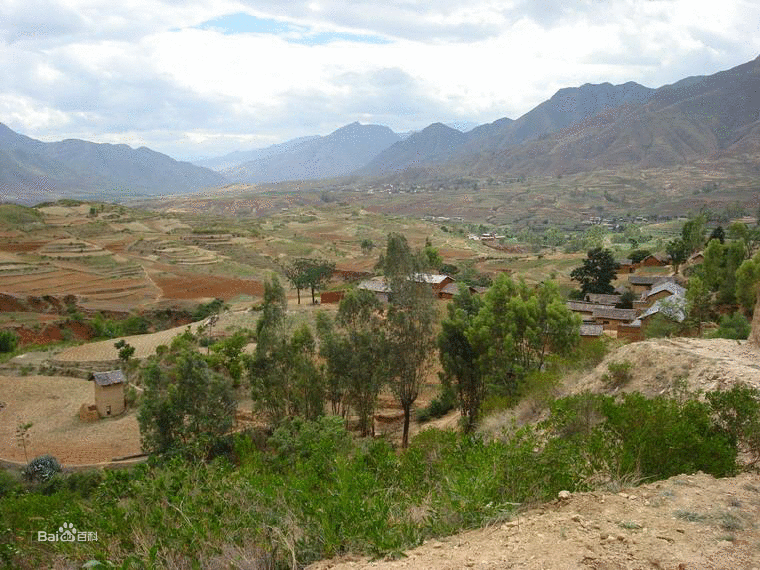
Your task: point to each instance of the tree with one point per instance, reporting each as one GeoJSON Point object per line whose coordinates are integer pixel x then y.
{"type": "Point", "coordinates": [718, 233]}
{"type": "Point", "coordinates": [297, 278]}
{"type": "Point", "coordinates": [626, 300]}
{"type": "Point", "coordinates": [678, 251]}
{"type": "Point", "coordinates": [698, 302]}
{"type": "Point", "coordinates": [433, 259]}
{"type": "Point", "coordinates": [458, 356]}
{"type": "Point", "coordinates": [356, 352]}
{"type": "Point", "coordinates": [720, 266]}
{"type": "Point", "coordinates": [747, 280]}
{"type": "Point", "coordinates": [311, 273]}
{"type": "Point", "coordinates": [285, 379]}
{"type": "Point", "coordinates": [411, 318]}
{"type": "Point", "coordinates": [598, 271]}
{"type": "Point", "coordinates": [516, 328]}
{"type": "Point", "coordinates": [226, 355]}
{"type": "Point", "coordinates": [637, 255]}
{"type": "Point", "coordinates": [693, 233]}
{"type": "Point", "coordinates": [185, 406]}
{"type": "Point", "coordinates": [410, 321]}
{"type": "Point", "coordinates": [317, 272]}
{"type": "Point", "coordinates": [594, 237]}
{"type": "Point", "coordinates": [126, 350]}
{"type": "Point", "coordinates": [273, 311]}
{"type": "Point", "coordinates": [22, 437]}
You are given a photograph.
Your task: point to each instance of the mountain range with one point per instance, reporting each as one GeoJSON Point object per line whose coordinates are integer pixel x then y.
{"type": "Point", "coordinates": [32, 171]}
{"type": "Point", "coordinates": [578, 129]}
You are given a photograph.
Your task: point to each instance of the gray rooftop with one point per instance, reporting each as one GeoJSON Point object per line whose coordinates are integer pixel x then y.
{"type": "Point", "coordinates": [592, 330]}
{"type": "Point", "coordinates": [615, 314]}
{"type": "Point", "coordinates": [674, 307]}
{"type": "Point", "coordinates": [375, 285]}
{"type": "Point", "coordinates": [109, 378]}
{"type": "Point", "coordinates": [647, 279]}
{"type": "Point", "coordinates": [670, 286]}
{"type": "Point", "coordinates": [602, 299]}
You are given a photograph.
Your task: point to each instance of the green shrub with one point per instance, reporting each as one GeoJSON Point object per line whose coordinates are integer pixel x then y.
{"type": "Point", "coordinates": [619, 374]}
{"type": "Point", "coordinates": [494, 403]}
{"type": "Point", "coordinates": [442, 404]}
{"type": "Point", "coordinates": [734, 326]}
{"type": "Point", "coordinates": [8, 340]}
{"type": "Point", "coordinates": [738, 413]}
{"type": "Point", "coordinates": [661, 326]}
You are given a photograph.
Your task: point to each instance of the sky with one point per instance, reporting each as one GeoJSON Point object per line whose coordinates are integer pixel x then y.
{"type": "Point", "coordinates": [201, 78]}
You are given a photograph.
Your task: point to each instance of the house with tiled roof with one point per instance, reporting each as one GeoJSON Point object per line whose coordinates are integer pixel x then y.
{"type": "Point", "coordinates": [610, 318]}
{"type": "Point", "coordinates": [659, 291]}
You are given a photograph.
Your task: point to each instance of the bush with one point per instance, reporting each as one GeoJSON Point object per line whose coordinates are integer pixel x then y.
{"type": "Point", "coordinates": [735, 326]}
{"type": "Point", "coordinates": [8, 341]}
{"type": "Point", "coordinates": [41, 469]}
{"type": "Point", "coordinates": [661, 326]}
{"type": "Point", "coordinates": [619, 374]}
{"type": "Point", "coordinates": [738, 413]}
{"type": "Point", "coordinates": [442, 404]}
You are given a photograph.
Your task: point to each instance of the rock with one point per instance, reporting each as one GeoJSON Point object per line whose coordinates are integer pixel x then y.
{"type": "Point", "coordinates": [564, 495]}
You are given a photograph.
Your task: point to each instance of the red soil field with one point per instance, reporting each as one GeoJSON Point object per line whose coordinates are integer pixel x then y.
{"type": "Point", "coordinates": [196, 287]}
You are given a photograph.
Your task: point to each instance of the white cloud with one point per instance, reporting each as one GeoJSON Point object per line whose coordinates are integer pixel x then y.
{"type": "Point", "coordinates": [144, 70]}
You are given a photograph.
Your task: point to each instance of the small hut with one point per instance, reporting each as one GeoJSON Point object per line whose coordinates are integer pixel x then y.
{"type": "Point", "coordinates": [109, 392]}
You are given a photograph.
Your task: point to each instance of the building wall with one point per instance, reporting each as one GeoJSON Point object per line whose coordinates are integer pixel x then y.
{"type": "Point", "coordinates": [109, 400]}
{"type": "Point", "coordinates": [608, 324]}
{"type": "Point", "coordinates": [632, 334]}
{"type": "Point", "coordinates": [638, 289]}
{"type": "Point", "coordinates": [331, 297]}
{"type": "Point", "coordinates": [651, 262]}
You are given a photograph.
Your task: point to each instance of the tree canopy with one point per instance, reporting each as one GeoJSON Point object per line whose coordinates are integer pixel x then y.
{"type": "Point", "coordinates": [598, 271]}
{"type": "Point", "coordinates": [185, 406]}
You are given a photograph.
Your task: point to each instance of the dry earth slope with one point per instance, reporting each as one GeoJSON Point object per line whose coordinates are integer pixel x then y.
{"type": "Point", "coordinates": [686, 522]}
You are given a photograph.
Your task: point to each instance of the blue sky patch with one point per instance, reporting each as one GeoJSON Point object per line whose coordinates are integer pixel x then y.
{"type": "Point", "coordinates": [243, 23]}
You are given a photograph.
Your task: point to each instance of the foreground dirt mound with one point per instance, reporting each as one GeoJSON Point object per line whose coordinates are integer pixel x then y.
{"type": "Point", "coordinates": [686, 522]}
{"type": "Point", "coordinates": [663, 366]}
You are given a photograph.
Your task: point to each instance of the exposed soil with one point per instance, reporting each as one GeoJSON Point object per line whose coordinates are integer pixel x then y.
{"type": "Point", "coordinates": [54, 332]}
{"type": "Point", "coordinates": [200, 286]}
{"type": "Point", "coordinates": [665, 366]}
{"type": "Point", "coordinates": [686, 522]}
{"type": "Point", "coordinates": [692, 522]}
{"type": "Point", "coordinates": [52, 404]}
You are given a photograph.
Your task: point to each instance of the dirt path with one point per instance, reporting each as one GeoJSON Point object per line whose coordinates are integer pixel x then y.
{"type": "Point", "coordinates": [687, 522]}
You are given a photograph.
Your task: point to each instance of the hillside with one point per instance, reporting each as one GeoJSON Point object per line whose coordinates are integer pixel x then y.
{"type": "Point", "coordinates": [696, 118]}
{"type": "Point", "coordinates": [33, 171]}
{"type": "Point", "coordinates": [687, 521]}
{"type": "Point", "coordinates": [433, 143]}
{"type": "Point", "coordinates": [337, 154]}
{"type": "Point", "coordinates": [566, 107]}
